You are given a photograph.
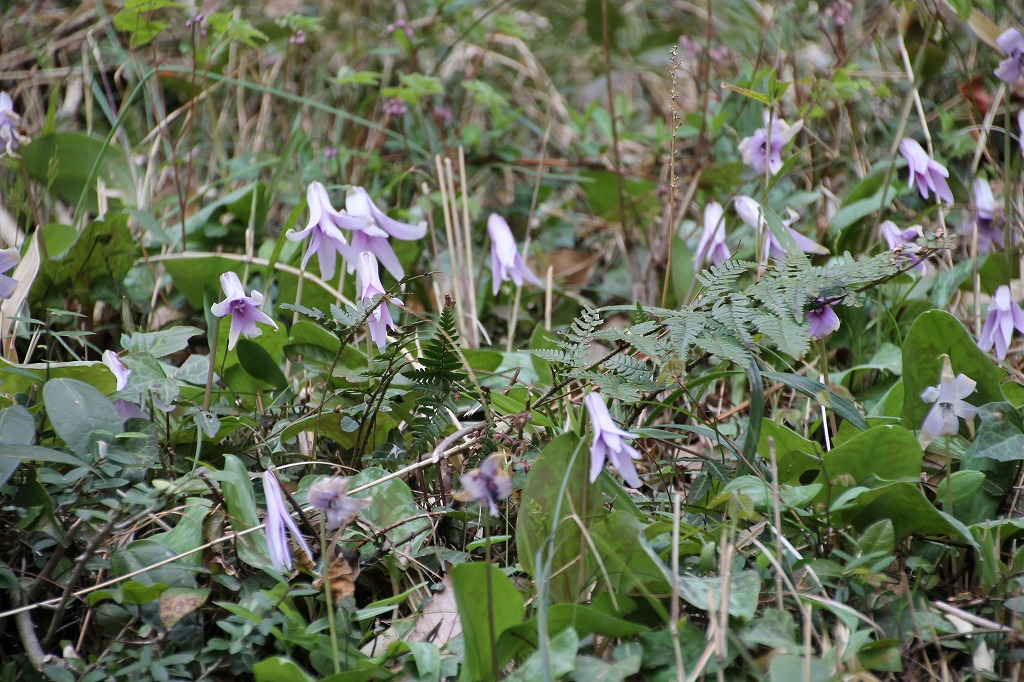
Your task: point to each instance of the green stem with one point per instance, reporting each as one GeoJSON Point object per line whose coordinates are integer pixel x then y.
{"type": "Point", "coordinates": [949, 479]}
{"type": "Point", "coordinates": [325, 574]}
{"type": "Point", "coordinates": [214, 333]}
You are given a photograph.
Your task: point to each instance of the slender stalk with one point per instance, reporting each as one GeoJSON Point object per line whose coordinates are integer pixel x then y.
{"type": "Point", "coordinates": [492, 637]}
{"type": "Point", "coordinates": [325, 573]}
{"type": "Point", "coordinates": [214, 333]}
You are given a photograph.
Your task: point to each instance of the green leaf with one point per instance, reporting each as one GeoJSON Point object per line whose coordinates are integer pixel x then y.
{"type": "Point", "coordinates": [70, 156]}
{"type": "Point", "coordinates": [258, 364]}
{"type": "Point", "coordinates": [901, 502]}
{"type": "Point", "coordinates": [393, 503]}
{"type": "Point", "coordinates": [790, 667]}
{"type": "Point", "coordinates": [78, 412]}
{"type": "Point", "coordinates": [594, 13]}
{"type": "Point", "coordinates": [995, 453]}
{"type": "Point", "coordinates": [857, 460]}
{"type": "Point", "coordinates": [965, 484]}
{"type": "Point", "coordinates": [559, 660]}
{"type": "Point", "coordinates": [188, 531]}
{"type": "Point", "coordinates": [838, 403]}
{"type": "Point", "coordinates": [145, 553]}
{"type": "Point", "coordinates": [17, 427]}
{"type": "Point", "coordinates": [128, 592]}
{"type": "Point", "coordinates": [933, 334]}
{"type": "Point", "coordinates": [706, 593]}
{"type": "Point", "coordinates": [479, 614]}
{"type": "Point", "coordinates": [546, 536]}
{"type": "Point", "coordinates": [878, 538]}
{"type": "Point", "coordinates": [590, 669]}
{"type": "Point", "coordinates": [162, 343]}
{"type": "Point", "coordinates": [240, 499]}
{"type": "Point", "coordinates": [280, 669]}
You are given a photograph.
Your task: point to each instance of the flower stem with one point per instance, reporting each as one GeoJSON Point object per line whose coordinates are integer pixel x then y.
{"type": "Point", "coordinates": [214, 333]}
{"type": "Point", "coordinates": [490, 600]}
{"type": "Point", "coordinates": [325, 574]}
{"type": "Point", "coordinates": [949, 479]}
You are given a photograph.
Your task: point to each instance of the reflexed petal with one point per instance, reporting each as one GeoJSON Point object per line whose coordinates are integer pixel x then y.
{"type": "Point", "coordinates": [231, 286]}
{"type": "Point", "coordinates": [8, 259]}
{"type": "Point", "coordinates": [749, 211]}
{"type": "Point", "coordinates": [8, 285]}
{"type": "Point", "coordinates": [117, 368]}
{"type": "Point", "coordinates": [930, 394]}
{"type": "Point", "coordinates": [806, 244]}
{"type": "Point", "coordinates": [963, 386]}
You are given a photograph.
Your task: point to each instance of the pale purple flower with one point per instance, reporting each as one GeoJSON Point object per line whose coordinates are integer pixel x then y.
{"type": "Point", "coordinates": [750, 212]}
{"type": "Point", "coordinates": [712, 244]}
{"type": "Point", "coordinates": [610, 443]}
{"type": "Point", "coordinates": [278, 524]}
{"type": "Point", "coordinates": [376, 227]}
{"type": "Point", "coordinates": [987, 218]}
{"type": "Point", "coordinates": [506, 263]}
{"type": "Point", "coordinates": [1020, 124]}
{"type": "Point", "coordinates": [330, 495]}
{"type": "Point", "coordinates": [720, 53]}
{"type": "Point", "coordinates": [1011, 68]}
{"type": "Point", "coordinates": [368, 285]}
{"type": "Point", "coordinates": [929, 174]}
{"type": "Point", "coordinates": [244, 310]}
{"type": "Point", "coordinates": [8, 259]}
{"type": "Point", "coordinates": [948, 396]}
{"type": "Point", "coordinates": [691, 48]}
{"type": "Point", "coordinates": [487, 485]}
{"type": "Point", "coordinates": [823, 321]}
{"type": "Point", "coordinates": [396, 107]}
{"type": "Point", "coordinates": [126, 409]}
{"type": "Point", "coordinates": [904, 240]}
{"type": "Point", "coordinates": [323, 230]}
{"type": "Point", "coordinates": [758, 152]}
{"type": "Point", "coordinates": [1004, 315]}
{"type": "Point", "coordinates": [10, 138]}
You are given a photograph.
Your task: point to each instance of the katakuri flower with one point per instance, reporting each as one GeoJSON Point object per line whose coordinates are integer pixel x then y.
{"type": "Point", "coordinates": [126, 409]}
{"type": "Point", "coordinates": [903, 241]}
{"type": "Point", "coordinates": [506, 263]}
{"type": "Point", "coordinates": [330, 495]}
{"type": "Point", "coordinates": [10, 138]}
{"type": "Point", "coordinates": [610, 443]}
{"type": "Point", "coordinates": [244, 310]}
{"type": "Point", "coordinates": [987, 218]}
{"type": "Point", "coordinates": [948, 396]}
{"type": "Point", "coordinates": [1020, 124]}
{"type": "Point", "coordinates": [324, 230]}
{"type": "Point", "coordinates": [1004, 315]}
{"type": "Point", "coordinates": [487, 485]}
{"type": "Point", "coordinates": [1011, 68]}
{"type": "Point", "coordinates": [279, 523]}
{"type": "Point", "coordinates": [712, 244]}
{"type": "Point", "coordinates": [368, 285]}
{"type": "Point", "coordinates": [823, 321]}
{"type": "Point", "coordinates": [8, 259]}
{"type": "Point", "coordinates": [751, 213]}
{"type": "Point", "coordinates": [374, 228]}
{"type": "Point", "coordinates": [759, 153]}
{"type": "Point", "coordinates": [929, 174]}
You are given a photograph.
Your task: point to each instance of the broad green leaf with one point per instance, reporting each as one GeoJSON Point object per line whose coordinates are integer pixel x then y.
{"type": "Point", "coordinates": [559, 660]}
{"type": "Point", "coordinates": [995, 453]}
{"type": "Point", "coordinates": [965, 484]}
{"type": "Point", "coordinates": [629, 560]}
{"type": "Point", "coordinates": [128, 592]}
{"type": "Point", "coordinates": [145, 553]}
{"type": "Point", "coordinates": [706, 593]}
{"type": "Point", "coordinates": [790, 667]}
{"type": "Point", "coordinates": [590, 669]}
{"type": "Point", "coordinates": [878, 538]}
{"type": "Point", "coordinates": [857, 460]}
{"type": "Point", "coordinates": [98, 261]}
{"type": "Point", "coordinates": [17, 427]}
{"type": "Point", "coordinates": [70, 156]}
{"type": "Point", "coordinates": [240, 499]}
{"type": "Point", "coordinates": [934, 334]}
{"type": "Point", "coordinates": [547, 538]}
{"type": "Point", "coordinates": [258, 364]}
{"type": "Point", "coordinates": [488, 605]}
{"type": "Point", "coordinates": [188, 531]}
{"type": "Point", "coordinates": [17, 378]}
{"type": "Point", "coordinates": [393, 503]}
{"type": "Point", "coordinates": [162, 343]}
{"type": "Point", "coordinates": [901, 502]}
{"type": "Point", "coordinates": [280, 669]}
{"type": "Point", "coordinates": [815, 390]}
{"type": "Point", "coordinates": [78, 412]}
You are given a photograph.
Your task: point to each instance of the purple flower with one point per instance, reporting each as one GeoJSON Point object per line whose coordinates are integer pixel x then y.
{"type": "Point", "coordinates": [126, 409]}
{"type": "Point", "coordinates": [325, 237]}
{"type": "Point", "coordinates": [929, 174]}
{"type": "Point", "coordinates": [376, 227]}
{"type": "Point", "coordinates": [712, 244]}
{"type": "Point", "coordinates": [751, 213]}
{"type": "Point", "coordinates": [902, 241]}
{"type": "Point", "coordinates": [987, 218]}
{"type": "Point", "coordinates": [1004, 315]}
{"type": "Point", "coordinates": [506, 263]}
{"type": "Point", "coordinates": [948, 396]}
{"type": "Point", "coordinates": [244, 310]}
{"type": "Point", "coordinates": [278, 523]}
{"type": "Point", "coordinates": [396, 107]}
{"type": "Point", "coordinates": [330, 495]}
{"type": "Point", "coordinates": [691, 48]}
{"type": "Point", "coordinates": [610, 443]}
{"type": "Point", "coordinates": [823, 321]}
{"type": "Point", "coordinates": [1011, 68]}
{"type": "Point", "coordinates": [10, 138]}
{"type": "Point", "coordinates": [8, 259]}
{"type": "Point", "coordinates": [758, 152]}
{"type": "Point", "coordinates": [368, 285]}
{"type": "Point", "coordinates": [487, 485]}
{"type": "Point", "coordinates": [1020, 124]}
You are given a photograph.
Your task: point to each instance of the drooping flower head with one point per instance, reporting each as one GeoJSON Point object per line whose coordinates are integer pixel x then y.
{"type": "Point", "coordinates": [903, 241]}
{"type": "Point", "coordinates": [244, 310]}
{"type": "Point", "coordinates": [279, 523]}
{"type": "Point", "coordinates": [987, 218]}
{"type": "Point", "coordinates": [323, 230]}
{"type": "Point", "coordinates": [126, 409]}
{"type": "Point", "coordinates": [373, 229]}
{"type": "Point", "coordinates": [368, 284]}
{"type": "Point", "coordinates": [948, 396]}
{"type": "Point", "coordinates": [506, 263]}
{"type": "Point", "coordinates": [487, 485]}
{"type": "Point", "coordinates": [8, 259]}
{"type": "Point", "coordinates": [712, 244]}
{"type": "Point", "coordinates": [10, 138]}
{"type": "Point", "coordinates": [823, 321]}
{"type": "Point", "coordinates": [759, 152]}
{"type": "Point", "coordinates": [610, 443]}
{"type": "Point", "coordinates": [330, 495]}
{"type": "Point", "coordinates": [1004, 315]}
{"type": "Point", "coordinates": [751, 213]}
{"type": "Point", "coordinates": [1012, 68]}
{"type": "Point", "coordinates": [929, 174]}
